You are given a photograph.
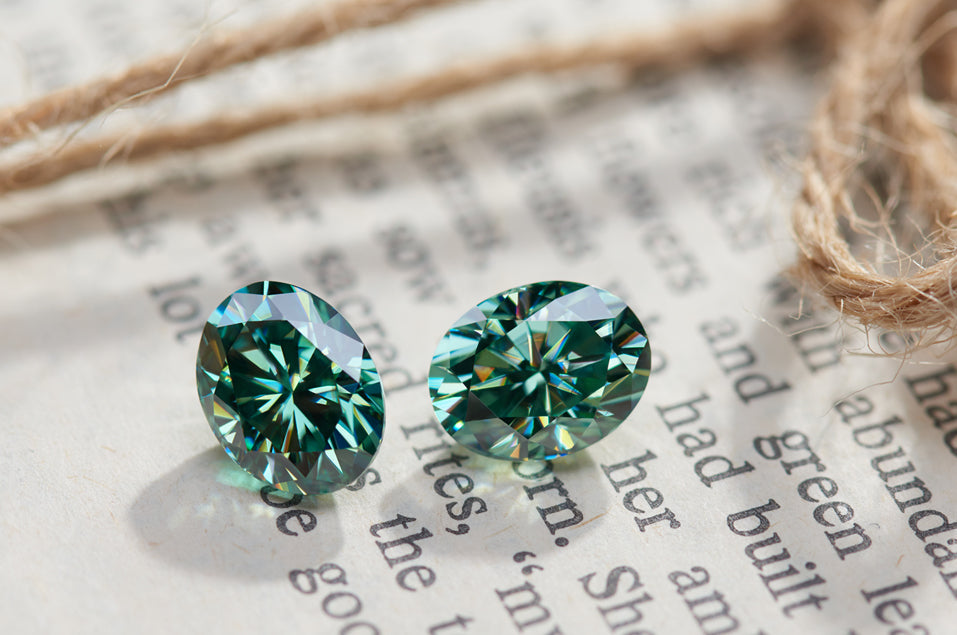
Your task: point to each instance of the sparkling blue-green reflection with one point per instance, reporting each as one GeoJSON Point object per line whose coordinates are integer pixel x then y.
{"type": "Point", "coordinates": [289, 389]}
{"type": "Point", "coordinates": [539, 371]}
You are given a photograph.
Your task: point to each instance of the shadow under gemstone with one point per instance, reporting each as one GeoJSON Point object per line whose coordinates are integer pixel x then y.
{"type": "Point", "coordinates": [208, 515]}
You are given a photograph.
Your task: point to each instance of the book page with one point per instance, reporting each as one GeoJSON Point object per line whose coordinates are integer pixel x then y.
{"type": "Point", "coordinates": [776, 477]}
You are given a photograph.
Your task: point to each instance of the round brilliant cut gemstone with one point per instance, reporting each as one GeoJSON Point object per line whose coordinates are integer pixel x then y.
{"type": "Point", "coordinates": [289, 389]}
{"type": "Point", "coordinates": [539, 371]}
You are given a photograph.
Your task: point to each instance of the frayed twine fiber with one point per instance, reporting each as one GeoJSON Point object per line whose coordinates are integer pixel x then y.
{"type": "Point", "coordinates": [882, 163]}
{"type": "Point", "coordinates": [205, 57]}
{"type": "Point", "coordinates": [882, 140]}
{"type": "Point", "coordinates": [688, 43]}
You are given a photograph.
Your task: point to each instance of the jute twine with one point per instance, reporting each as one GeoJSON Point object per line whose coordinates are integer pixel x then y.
{"type": "Point", "coordinates": [687, 43]}
{"type": "Point", "coordinates": [882, 164]}
{"type": "Point", "coordinates": [875, 219]}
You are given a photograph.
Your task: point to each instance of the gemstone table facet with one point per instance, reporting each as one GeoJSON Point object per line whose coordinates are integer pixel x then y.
{"type": "Point", "coordinates": [289, 389]}
{"type": "Point", "coordinates": [539, 371]}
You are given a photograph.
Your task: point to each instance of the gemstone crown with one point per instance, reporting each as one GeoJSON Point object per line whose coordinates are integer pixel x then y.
{"type": "Point", "coordinates": [289, 389]}
{"type": "Point", "coordinates": [539, 371]}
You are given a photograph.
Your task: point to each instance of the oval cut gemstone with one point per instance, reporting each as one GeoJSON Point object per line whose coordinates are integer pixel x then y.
{"type": "Point", "coordinates": [289, 389]}
{"type": "Point", "coordinates": [539, 371]}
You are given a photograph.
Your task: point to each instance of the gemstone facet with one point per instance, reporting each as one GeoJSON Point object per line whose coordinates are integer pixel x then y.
{"type": "Point", "coordinates": [289, 389]}
{"type": "Point", "coordinates": [539, 371]}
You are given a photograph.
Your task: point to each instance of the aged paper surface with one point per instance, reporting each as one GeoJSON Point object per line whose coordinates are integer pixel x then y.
{"type": "Point", "coordinates": [772, 479]}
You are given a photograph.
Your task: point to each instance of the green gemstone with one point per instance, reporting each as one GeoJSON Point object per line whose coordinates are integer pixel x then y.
{"type": "Point", "coordinates": [539, 371]}
{"type": "Point", "coordinates": [289, 389]}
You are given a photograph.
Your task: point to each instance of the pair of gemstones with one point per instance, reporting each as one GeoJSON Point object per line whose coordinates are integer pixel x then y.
{"type": "Point", "coordinates": [537, 372]}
